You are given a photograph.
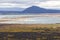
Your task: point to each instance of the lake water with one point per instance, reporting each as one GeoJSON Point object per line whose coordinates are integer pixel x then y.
{"type": "Point", "coordinates": [30, 19]}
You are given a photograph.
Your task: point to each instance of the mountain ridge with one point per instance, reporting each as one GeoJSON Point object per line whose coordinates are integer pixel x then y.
{"type": "Point", "coordinates": [11, 9]}
{"type": "Point", "coordinates": [31, 10]}
{"type": "Point", "coordinates": [36, 9]}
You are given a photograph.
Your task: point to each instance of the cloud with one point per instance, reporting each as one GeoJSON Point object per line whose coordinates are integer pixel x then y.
{"type": "Point", "coordinates": [16, 3]}
{"type": "Point", "coordinates": [49, 4]}
{"type": "Point", "coordinates": [7, 5]}
{"type": "Point", "coordinates": [27, 3]}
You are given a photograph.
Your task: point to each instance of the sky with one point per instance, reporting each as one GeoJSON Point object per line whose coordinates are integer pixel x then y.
{"type": "Point", "coordinates": [50, 4]}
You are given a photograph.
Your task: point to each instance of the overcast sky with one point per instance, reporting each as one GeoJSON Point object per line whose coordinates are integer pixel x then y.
{"type": "Point", "coordinates": [27, 3]}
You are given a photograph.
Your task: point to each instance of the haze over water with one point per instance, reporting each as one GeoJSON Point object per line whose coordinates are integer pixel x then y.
{"type": "Point", "coordinates": [30, 19]}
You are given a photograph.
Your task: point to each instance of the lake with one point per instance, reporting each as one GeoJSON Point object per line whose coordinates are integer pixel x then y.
{"type": "Point", "coordinates": [30, 19]}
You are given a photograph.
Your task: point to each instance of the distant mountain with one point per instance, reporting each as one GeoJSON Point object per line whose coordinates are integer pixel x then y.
{"type": "Point", "coordinates": [11, 9]}
{"type": "Point", "coordinates": [30, 10]}
{"type": "Point", "coordinates": [35, 9]}
{"type": "Point", "coordinates": [15, 10]}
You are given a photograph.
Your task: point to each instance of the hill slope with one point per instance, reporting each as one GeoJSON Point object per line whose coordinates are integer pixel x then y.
{"type": "Point", "coordinates": [35, 9]}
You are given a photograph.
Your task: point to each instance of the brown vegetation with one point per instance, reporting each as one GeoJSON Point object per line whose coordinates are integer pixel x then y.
{"type": "Point", "coordinates": [29, 27]}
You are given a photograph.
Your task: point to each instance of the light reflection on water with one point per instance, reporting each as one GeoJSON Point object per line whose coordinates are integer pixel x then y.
{"type": "Point", "coordinates": [32, 19]}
